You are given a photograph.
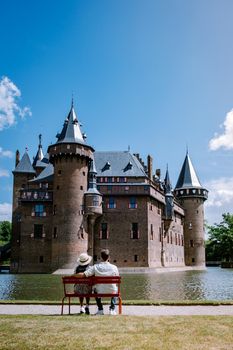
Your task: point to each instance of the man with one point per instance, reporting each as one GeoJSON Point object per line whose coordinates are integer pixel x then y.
{"type": "Point", "coordinates": [104, 268]}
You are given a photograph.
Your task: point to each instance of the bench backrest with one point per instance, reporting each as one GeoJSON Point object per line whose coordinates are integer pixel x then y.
{"type": "Point", "coordinates": [91, 280]}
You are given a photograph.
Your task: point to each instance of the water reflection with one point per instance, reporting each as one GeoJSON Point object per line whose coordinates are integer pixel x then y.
{"type": "Point", "coordinates": [213, 284]}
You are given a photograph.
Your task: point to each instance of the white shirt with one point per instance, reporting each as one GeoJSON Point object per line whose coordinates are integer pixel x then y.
{"type": "Point", "coordinates": [104, 268]}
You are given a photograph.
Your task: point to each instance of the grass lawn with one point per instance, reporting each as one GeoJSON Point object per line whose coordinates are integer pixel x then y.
{"type": "Point", "coordinates": [116, 333]}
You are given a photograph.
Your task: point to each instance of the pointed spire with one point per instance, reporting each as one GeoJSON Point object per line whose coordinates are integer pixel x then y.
{"type": "Point", "coordinates": [71, 131]}
{"type": "Point", "coordinates": [188, 177]}
{"type": "Point", "coordinates": [167, 183]}
{"type": "Point", "coordinates": [24, 165]}
{"type": "Point", "coordinates": [92, 186]}
{"type": "Point", "coordinates": [39, 155]}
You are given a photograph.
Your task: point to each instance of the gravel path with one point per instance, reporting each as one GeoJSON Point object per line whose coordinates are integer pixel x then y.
{"type": "Point", "coordinates": [6, 309]}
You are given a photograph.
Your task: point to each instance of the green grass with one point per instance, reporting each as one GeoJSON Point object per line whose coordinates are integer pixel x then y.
{"type": "Point", "coordinates": [116, 333]}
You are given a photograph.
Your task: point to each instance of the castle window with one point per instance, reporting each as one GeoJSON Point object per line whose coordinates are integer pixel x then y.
{"type": "Point", "coordinates": [95, 257]}
{"type": "Point", "coordinates": [58, 187]}
{"type": "Point", "coordinates": [151, 232]}
{"type": "Point", "coordinates": [135, 258]}
{"type": "Point", "coordinates": [182, 241]}
{"type": "Point", "coordinates": [54, 209]}
{"type": "Point", "coordinates": [41, 259]}
{"type": "Point", "coordinates": [191, 243]}
{"type": "Point", "coordinates": [176, 242]}
{"type": "Point", "coordinates": [104, 231]}
{"type": "Point", "coordinates": [134, 230]}
{"type": "Point", "coordinates": [38, 231]}
{"type": "Point", "coordinates": [160, 234]}
{"type": "Point", "coordinates": [190, 226]}
{"type": "Point", "coordinates": [84, 173]}
{"type": "Point", "coordinates": [39, 210]}
{"type": "Point", "coordinates": [132, 203]}
{"type": "Point", "coordinates": [193, 260]}
{"type": "Point", "coordinates": [81, 188]}
{"type": "Point", "coordinates": [171, 237]}
{"type": "Point", "coordinates": [55, 232]}
{"type": "Point", "coordinates": [168, 237]}
{"type": "Point", "coordinates": [95, 201]}
{"type": "Point", "coordinates": [111, 203]}
{"type": "Point", "coordinates": [59, 172]}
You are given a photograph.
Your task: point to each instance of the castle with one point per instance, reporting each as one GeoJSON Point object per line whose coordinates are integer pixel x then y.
{"type": "Point", "coordinates": [75, 200]}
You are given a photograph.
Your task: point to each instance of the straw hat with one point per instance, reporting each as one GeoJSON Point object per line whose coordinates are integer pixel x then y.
{"type": "Point", "coordinates": [84, 259]}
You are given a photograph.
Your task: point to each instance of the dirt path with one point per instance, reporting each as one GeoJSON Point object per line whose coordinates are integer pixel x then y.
{"type": "Point", "coordinates": [127, 310]}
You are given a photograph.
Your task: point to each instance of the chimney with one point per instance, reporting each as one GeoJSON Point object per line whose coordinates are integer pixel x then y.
{"type": "Point", "coordinates": [150, 167]}
{"type": "Point", "coordinates": [17, 158]}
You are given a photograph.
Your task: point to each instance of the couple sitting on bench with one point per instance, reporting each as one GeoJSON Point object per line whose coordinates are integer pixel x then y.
{"type": "Point", "coordinates": [104, 268]}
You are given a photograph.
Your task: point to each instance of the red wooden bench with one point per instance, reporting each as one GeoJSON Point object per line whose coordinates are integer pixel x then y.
{"type": "Point", "coordinates": [70, 281]}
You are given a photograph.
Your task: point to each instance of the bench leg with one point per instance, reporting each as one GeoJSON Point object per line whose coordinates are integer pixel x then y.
{"type": "Point", "coordinates": [120, 306]}
{"type": "Point", "coordinates": [69, 305]}
{"type": "Point", "coordinates": [62, 305]}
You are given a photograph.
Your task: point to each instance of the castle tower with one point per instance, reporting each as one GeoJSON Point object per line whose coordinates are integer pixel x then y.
{"type": "Point", "coordinates": [21, 175]}
{"type": "Point", "coordinates": [191, 196]}
{"type": "Point", "coordinates": [70, 156]}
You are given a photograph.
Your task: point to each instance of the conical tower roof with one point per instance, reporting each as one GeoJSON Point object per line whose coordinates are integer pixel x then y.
{"type": "Point", "coordinates": [71, 132]}
{"type": "Point", "coordinates": [92, 186]}
{"type": "Point", "coordinates": [24, 165]}
{"type": "Point", "coordinates": [188, 177]}
{"type": "Point", "coordinates": [167, 183]}
{"type": "Point", "coordinates": [39, 155]}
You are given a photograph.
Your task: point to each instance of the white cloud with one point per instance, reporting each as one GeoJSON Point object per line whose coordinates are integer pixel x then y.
{"type": "Point", "coordinates": [9, 108]}
{"type": "Point", "coordinates": [5, 211]}
{"type": "Point", "coordinates": [224, 140]}
{"type": "Point", "coordinates": [4, 173]}
{"type": "Point", "coordinates": [220, 199]}
{"type": "Point", "coordinates": [4, 153]}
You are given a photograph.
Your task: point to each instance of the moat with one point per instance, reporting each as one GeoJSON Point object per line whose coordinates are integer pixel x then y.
{"type": "Point", "coordinates": [212, 284]}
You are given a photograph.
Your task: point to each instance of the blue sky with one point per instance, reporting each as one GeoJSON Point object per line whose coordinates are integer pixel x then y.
{"type": "Point", "coordinates": [152, 75]}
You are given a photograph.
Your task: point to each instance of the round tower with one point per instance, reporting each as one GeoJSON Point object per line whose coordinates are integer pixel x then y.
{"type": "Point", "coordinates": [192, 196]}
{"type": "Point", "coordinates": [70, 156]}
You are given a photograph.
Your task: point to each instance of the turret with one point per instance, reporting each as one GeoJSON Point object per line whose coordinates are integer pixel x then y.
{"type": "Point", "coordinates": [168, 197]}
{"type": "Point", "coordinates": [71, 157]}
{"type": "Point", "coordinates": [93, 205]}
{"type": "Point", "coordinates": [38, 164]}
{"type": "Point", "coordinates": [192, 196]}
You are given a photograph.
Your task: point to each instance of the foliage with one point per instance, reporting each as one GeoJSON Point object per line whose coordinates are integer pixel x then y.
{"type": "Point", "coordinates": [220, 243]}
{"type": "Point", "coordinates": [5, 231]}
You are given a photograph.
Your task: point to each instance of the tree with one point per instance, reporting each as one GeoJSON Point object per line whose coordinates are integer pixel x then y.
{"type": "Point", "coordinates": [220, 243]}
{"type": "Point", "coordinates": [5, 231]}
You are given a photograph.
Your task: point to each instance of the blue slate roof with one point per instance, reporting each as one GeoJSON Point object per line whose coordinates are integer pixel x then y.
{"type": "Point", "coordinates": [167, 183]}
{"type": "Point", "coordinates": [118, 164]}
{"type": "Point", "coordinates": [71, 132]}
{"type": "Point", "coordinates": [43, 162]}
{"type": "Point", "coordinates": [46, 175]}
{"type": "Point", "coordinates": [24, 165]}
{"type": "Point", "coordinates": [188, 177]}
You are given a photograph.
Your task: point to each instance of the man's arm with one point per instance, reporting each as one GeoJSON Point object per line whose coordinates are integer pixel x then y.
{"type": "Point", "coordinates": [80, 275]}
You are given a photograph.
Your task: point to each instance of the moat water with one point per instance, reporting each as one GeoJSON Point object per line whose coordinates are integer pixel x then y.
{"type": "Point", "coordinates": [212, 284]}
